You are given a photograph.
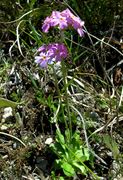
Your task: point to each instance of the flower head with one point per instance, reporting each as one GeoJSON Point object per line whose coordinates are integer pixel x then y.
{"type": "Point", "coordinates": [63, 20]}
{"type": "Point", "coordinates": [57, 51]}
{"type": "Point", "coordinates": [74, 21]}
{"type": "Point", "coordinates": [42, 59]}
{"type": "Point", "coordinates": [51, 53]}
{"type": "Point", "coordinates": [58, 20]}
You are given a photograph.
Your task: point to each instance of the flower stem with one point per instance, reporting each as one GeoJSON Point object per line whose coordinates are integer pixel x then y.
{"type": "Point", "coordinates": [59, 95]}
{"type": "Point", "coordinates": [64, 73]}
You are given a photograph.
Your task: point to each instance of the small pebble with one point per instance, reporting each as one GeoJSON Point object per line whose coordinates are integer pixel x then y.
{"type": "Point", "coordinates": [48, 141]}
{"type": "Point", "coordinates": [7, 112]}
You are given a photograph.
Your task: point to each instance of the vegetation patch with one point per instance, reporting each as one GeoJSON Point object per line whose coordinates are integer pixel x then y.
{"type": "Point", "coordinates": [61, 90]}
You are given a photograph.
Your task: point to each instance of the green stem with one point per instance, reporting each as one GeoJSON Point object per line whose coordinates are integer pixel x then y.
{"type": "Point", "coordinates": [59, 95]}
{"type": "Point", "coordinates": [64, 73]}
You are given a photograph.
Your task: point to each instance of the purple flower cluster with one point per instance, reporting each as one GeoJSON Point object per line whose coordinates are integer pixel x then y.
{"type": "Point", "coordinates": [63, 20]}
{"type": "Point", "coordinates": [56, 52]}
{"type": "Point", "coordinates": [51, 53]}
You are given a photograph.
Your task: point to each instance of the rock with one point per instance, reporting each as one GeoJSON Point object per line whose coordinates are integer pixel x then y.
{"type": "Point", "coordinates": [7, 112]}
{"type": "Point", "coordinates": [48, 141]}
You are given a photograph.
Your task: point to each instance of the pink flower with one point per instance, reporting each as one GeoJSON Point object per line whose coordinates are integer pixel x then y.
{"type": "Point", "coordinates": [42, 60]}
{"type": "Point", "coordinates": [46, 25]}
{"type": "Point", "coordinates": [42, 48]}
{"type": "Point", "coordinates": [74, 21]}
{"type": "Point", "coordinates": [51, 53]}
{"type": "Point", "coordinates": [63, 20]}
{"type": "Point", "coordinates": [58, 20]}
{"type": "Point", "coordinates": [58, 51]}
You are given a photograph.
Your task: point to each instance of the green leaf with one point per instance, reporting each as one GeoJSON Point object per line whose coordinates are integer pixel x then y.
{"type": "Point", "coordinates": [82, 154]}
{"type": "Point", "coordinates": [60, 138]}
{"type": "Point", "coordinates": [7, 103]}
{"type": "Point", "coordinates": [61, 178]}
{"type": "Point", "coordinates": [86, 154]}
{"type": "Point", "coordinates": [68, 169]}
{"type": "Point", "coordinates": [112, 145]}
{"type": "Point", "coordinates": [80, 167]}
{"type": "Point", "coordinates": [78, 154]}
